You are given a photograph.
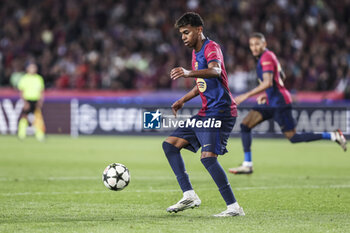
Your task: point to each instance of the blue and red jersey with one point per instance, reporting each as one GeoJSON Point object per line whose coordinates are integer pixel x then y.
{"type": "Point", "coordinates": [277, 94]}
{"type": "Point", "coordinates": [216, 97]}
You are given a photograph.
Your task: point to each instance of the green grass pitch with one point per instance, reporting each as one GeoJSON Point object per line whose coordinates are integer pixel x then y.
{"type": "Point", "coordinates": [56, 186]}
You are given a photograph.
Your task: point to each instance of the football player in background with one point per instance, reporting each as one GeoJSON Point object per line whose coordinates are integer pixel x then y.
{"type": "Point", "coordinates": [274, 103]}
{"type": "Point", "coordinates": [32, 88]}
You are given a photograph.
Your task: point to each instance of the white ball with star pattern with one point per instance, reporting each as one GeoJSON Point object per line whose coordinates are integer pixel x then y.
{"type": "Point", "coordinates": [116, 176]}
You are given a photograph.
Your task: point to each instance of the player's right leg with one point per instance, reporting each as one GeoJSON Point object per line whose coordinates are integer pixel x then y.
{"type": "Point", "coordinates": [211, 163]}
{"type": "Point", "coordinates": [249, 122]}
{"type": "Point", "coordinates": [172, 146]}
{"type": "Point", "coordinates": [39, 125]}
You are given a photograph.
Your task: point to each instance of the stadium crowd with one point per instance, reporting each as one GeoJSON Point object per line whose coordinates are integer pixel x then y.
{"type": "Point", "coordinates": [131, 44]}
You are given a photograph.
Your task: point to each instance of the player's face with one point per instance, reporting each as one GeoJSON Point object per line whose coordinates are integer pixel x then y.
{"type": "Point", "coordinates": [32, 69]}
{"type": "Point", "coordinates": [190, 35]}
{"type": "Point", "coordinates": [257, 46]}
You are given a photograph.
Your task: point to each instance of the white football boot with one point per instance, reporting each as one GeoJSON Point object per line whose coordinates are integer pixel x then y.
{"type": "Point", "coordinates": [231, 211]}
{"type": "Point", "coordinates": [241, 170]}
{"type": "Point", "coordinates": [189, 200]}
{"type": "Point", "coordinates": [339, 138]}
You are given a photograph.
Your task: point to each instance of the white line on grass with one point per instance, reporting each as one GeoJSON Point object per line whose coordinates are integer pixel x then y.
{"type": "Point", "coordinates": [155, 177]}
{"type": "Point", "coordinates": [340, 186]}
{"type": "Point", "coordinates": [51, 178]}
{"type": "Point", "coordinates": [4, 179]}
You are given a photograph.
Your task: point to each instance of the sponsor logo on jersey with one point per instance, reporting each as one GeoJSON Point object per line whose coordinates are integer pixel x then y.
{"type": "Point", "coordinates": [266, 63]}
{"type": "Point", "coordinates": [201, 84]}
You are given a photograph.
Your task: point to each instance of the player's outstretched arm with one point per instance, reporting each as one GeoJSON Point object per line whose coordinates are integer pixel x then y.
{"type": "Point", "coordinates": [266, 83]}
{"type": "Point", "coordinates": [213, 71]}
{"type": "Point", "coordinates": [180, 103]}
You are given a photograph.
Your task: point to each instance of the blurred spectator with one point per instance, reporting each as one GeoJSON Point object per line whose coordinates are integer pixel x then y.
{"type": "Point", "coordinates": [130, 44]}
{"type": "Point", "coordinates": [238, 80]}
{"type": "Point", "coordinates": [343, 84]}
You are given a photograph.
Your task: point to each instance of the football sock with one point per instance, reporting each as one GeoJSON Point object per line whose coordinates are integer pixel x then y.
{"type": "Point", "coordinates": [246, 137]}
{"type": "Point", "coordinates": [22, 128]}
{"type": "Point", "coordinates": [306, 137]}
{"type": "Point", "coordinates": [177, 164]}
{"type": "Point", "coordinates": [247, 156]}
{"type": "Point", "coordinates": [247, 164]}
{"type": "Point", "coordinates": [327, 135]}
{"type": "Point", "coordinates": [233, 206]}
{"type": "Point", "coordinates": [219, 176]}
{"type": "Point", "coordinates": [189, 193]}
{"type": "Point", "coordinates": [332, 136]}
{"type": "Point", "coordinates": [39, 134]}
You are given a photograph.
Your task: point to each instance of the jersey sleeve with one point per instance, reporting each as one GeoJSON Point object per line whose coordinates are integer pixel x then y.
{"type": "Point", "coordinates": [20, 85]}
{"type": "Point", "coordinates": [267, 63]}
{"type": "Point", "coordinates": [212, 53]}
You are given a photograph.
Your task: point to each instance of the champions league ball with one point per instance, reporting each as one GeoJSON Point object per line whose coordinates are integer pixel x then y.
{"type": "Point", "coordinates": [116, 176]}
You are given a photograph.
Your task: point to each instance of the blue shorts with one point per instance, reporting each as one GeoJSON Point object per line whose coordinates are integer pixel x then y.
{"type": "Point", "coordinates": [282, 115]}
{"type": "Point", "coordinates": [210, 139]}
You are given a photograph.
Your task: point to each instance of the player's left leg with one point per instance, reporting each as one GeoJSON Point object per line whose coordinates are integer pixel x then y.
{"type": "Point", "coordinates": [284, 118]}
{"type": "Point", "coordinates": [335, 136]}
{"type": "Point", "coordinates": [22, 127]}
{"type": "Point", "coordinates": [23, 121]}
{"type": "Point", "coordinates": [181, 138]}
{"type": "Point", "coordinates": [211, 163]}
{"type": "Point", "coordinates": [171, 148]}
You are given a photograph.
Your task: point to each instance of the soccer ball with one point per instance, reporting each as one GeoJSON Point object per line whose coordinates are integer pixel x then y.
{"type": "Point", "coordinates": [116, 176]}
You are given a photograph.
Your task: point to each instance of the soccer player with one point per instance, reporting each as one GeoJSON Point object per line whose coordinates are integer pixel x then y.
{"type": "Point", "coordinates": [274, 103]}
{"type": "Point", "coordinates": [208, 69]}
{"type": "Point", "coordinates": [32, 87]}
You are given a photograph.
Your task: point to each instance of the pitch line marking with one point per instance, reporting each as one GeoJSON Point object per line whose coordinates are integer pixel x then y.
{"type": "Point", "coordinates": [341, 186]}
{"type": "Point", "coordinates": [68, 178]}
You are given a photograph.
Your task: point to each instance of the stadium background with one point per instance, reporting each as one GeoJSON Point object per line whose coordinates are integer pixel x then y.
{"type": "Point", "coordinates": [105, 62]}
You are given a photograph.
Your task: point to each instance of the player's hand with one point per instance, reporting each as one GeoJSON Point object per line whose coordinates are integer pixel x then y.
{"type": "Point", "coordinates": [261, 99]}
{"type": "Point", "coordinates": [176, 106]}
{"type": "Point", "coordinates": [179, 72]}
{"type": "Point", "coordinates": [239, 99]}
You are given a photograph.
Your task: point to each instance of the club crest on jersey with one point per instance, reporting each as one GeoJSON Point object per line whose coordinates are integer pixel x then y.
{"type": "Point", "coordinates": [196, 65]}
{"type": "Point", "coordinates": [201, 84]}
